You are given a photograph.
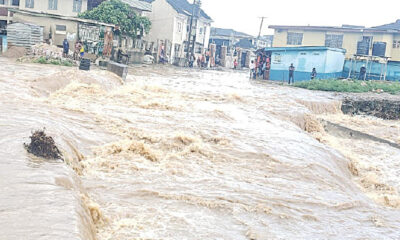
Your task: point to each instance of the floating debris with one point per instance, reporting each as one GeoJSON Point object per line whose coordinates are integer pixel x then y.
{"type": "Point", "coordinates": [42, 145]}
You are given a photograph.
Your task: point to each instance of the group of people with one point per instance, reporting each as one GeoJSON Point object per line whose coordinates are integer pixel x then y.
{"type": "Point", "coordinates": [79, 50]}
{"type": "Point", "coordinates": [260, 67]}
{"type": "Point", "coordinates": [202, 61]}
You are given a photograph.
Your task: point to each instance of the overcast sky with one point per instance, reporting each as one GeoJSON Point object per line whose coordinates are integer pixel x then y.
{"type": "Point", "coordinates": [242, 15]}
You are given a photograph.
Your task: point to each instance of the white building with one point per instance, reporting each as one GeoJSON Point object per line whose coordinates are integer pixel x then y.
{"type": "Point", "coordinates": [170, 26]}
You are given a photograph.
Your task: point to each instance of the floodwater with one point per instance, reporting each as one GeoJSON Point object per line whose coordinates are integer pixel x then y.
{"type": "Point", "coordinates": [187, 154]}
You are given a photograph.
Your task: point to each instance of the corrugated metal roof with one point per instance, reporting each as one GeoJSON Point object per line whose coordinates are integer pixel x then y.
{"type": "Point", "coordinates": [390, 26]}
{"type": "Point", "coordinates": [140, 5]}
{"type": "Point", "coordinates": [183, 7]}
{"type": "Point", "coordinates": [38, 14]}
{"type": "Point", "coordinates": [227, 33]}
{"type": "Point", "coordinates": [287, 49]}
{"type": "Point", "coordinates": [337, 29]}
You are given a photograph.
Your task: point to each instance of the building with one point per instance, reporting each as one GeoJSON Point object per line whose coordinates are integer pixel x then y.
{"type": "Point", "coordinates": [376, 48]}
{"type": "Point", "coordinates": [328, 62]}
{"type": "Point", "coordinates": [57, 7]}
{"type": "Point", "coordinates": [264, 41]}
{"type": "Point", "coordinates": [170, 28]}
{"type": "Point", "coordinates": [351, 38]}
{"type": "Point", "coordinates": [5, 16]}
{"type": "Point", "coordinates": [56, 28]}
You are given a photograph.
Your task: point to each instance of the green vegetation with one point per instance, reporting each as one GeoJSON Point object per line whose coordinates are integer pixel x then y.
{"type": "Point", "coordinates": [356, 86]}
{"type": "Point", "coordinates": [121, 14]}
{"type": "Point", "coordinates": [44, 60]}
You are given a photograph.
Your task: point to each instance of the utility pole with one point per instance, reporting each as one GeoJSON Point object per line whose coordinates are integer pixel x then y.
{"type": "Point", "coordinates": [193, 25]}
{"type": "Point", "coordinates": [261, 25]}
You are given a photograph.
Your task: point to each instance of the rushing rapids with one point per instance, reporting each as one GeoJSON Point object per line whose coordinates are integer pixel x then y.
{"type": "Point", "coordinates": [178, 154]}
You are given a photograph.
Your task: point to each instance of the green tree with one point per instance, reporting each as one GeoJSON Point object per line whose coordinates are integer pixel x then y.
{"type": "Point", "coordinates": [121, 14]}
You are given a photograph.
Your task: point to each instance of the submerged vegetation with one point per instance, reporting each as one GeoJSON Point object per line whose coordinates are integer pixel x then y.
{"type": "Point", "coordinates": [60, 62]}
{"type": "Point", "coordinates": [355, 86]}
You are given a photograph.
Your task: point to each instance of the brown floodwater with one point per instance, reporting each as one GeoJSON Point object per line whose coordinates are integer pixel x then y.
{"type": "Point", "coordinates": [187, 154]}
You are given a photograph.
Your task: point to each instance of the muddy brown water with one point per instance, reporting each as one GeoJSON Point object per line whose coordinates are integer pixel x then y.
{"type": "Point", "coordinates": [186, 154]}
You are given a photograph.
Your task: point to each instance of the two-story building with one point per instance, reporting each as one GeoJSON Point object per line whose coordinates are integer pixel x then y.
{"type": "Point", "coordinates": [376, 48]}
{"type": "Point", "coordinates": [348, 37]}
{"type": "Point", "coordinates": [170, 27]}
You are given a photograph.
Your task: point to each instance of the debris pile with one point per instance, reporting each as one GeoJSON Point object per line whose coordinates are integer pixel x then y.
{"type": "Point", "coordinates": [42, 145]}
{"type": "Point", "coordinates": [14, 52]}
{"type": "Point", "coordinates": [50, 51]}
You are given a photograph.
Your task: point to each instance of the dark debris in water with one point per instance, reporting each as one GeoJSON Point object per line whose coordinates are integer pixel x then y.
{"type": "Point", "coordinates": [43, 146]}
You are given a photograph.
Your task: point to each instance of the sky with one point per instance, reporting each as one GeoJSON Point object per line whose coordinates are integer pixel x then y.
{"type": "Point", "coordinates": [244, 15]}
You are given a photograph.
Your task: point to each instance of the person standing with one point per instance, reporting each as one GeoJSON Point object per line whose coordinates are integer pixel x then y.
{"type": "Point", "coordinates": [252, 70]}
{"type": "Point", "coordinates": [235, 64]}
{"type": "Point", "coordinates": [291, 73]}
{"type": "Point", "coordinates": [198, 62]}
{"type": "Point", "coordinates": [65, 48]}
{"type": "Point", "coordinates": [363, 72]}
{"type": "Point", "coordinates": [82, 51]}
{"type": "Point", "coordinates": [207, 59]}
{"type": "Point", "coordinates": [313, 74]}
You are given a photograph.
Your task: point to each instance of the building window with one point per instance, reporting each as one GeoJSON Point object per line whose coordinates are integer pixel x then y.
{"type": "Point", "coordinates": [294, 38]}
{"type": "Point", "coordinates": [3, 2]}
{"type": "Point", "coordinates": [396, 43]}
{"type": "Point", "coordinates": [77, 6]}
{"type": "Point", "coordinates": [179, 27]}
{"type": "Point", "coordinates": [61, 29]}
{"type": "Point", "coordinates": [15, 2]}
{"type": "Point", "coordinates": [53, 4]}
{"type": "Point", "coordinates": [333, 41]}
{"type": "Point", "coordinates": [29, 3]}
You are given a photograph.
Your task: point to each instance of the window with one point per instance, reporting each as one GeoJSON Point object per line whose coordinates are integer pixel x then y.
{"type": "Point", "coordinates": [29, 3]}
{"type": "Point", "coordinates": [15, 2]}
{"type": "Point", "coordinates": [77, 6]}
{"type": "Point", "coordinates": [303, 53]}
{"type": "Point", "coordinates": [3, 2]}
{"type": "Point", "coordinates": [201, 31]}
{"type": "Point", "coordinates": [179, 27]}
{"type": "Point", "coordinates": [294, 38]}
{"type": "Point", "coordinates": [53, 4]}
{"type": "Point", "coordinates": [396, 43]}
{"type": "Point", "coordinates": [333, 41]}
{"type": "Point", "coordinates": [61, 29]}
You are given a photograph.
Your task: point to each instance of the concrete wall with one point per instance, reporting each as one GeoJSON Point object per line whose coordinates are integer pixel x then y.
{"type": "Point", "coordinates": [64, 7]}
{"type": "Point", "coordinates": [169, 25]}
{"type": "Point", "coordinates": [350, 40]}
{"type": "Point", "coordinates": [50, 23]}
{"type": "Point", "coordinates": [163, 21]}
{"type": "Point", "coordinates": [329, 64]}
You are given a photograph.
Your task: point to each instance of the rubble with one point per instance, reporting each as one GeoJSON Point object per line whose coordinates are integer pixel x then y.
{"type": "Point", "coordinates": [50, 51]}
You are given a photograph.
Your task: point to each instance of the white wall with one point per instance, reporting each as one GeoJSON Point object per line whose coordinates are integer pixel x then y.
{"type": "Point", "coordinates": [64, 7]}
{"type": "Point", "coordinates": [162, 21]}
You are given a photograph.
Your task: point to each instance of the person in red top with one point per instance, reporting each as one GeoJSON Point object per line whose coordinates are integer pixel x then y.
{"type": "Point", "coordinates": [235, 64]}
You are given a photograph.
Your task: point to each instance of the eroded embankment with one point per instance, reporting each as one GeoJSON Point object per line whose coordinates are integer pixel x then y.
{"type": "Point", "coordinates": [381, 107]}
{"type": "Point", "coordinates": [371, 145]}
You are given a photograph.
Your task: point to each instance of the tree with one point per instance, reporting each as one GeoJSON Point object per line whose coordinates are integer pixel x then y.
{"type": "Point", "coordinates": [121, 14]}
